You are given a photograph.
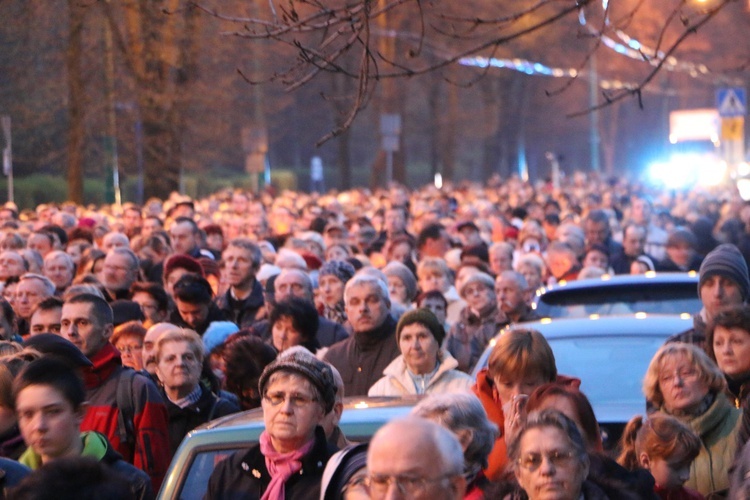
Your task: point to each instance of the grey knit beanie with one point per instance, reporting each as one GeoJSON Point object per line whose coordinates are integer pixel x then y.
{"type": "Point", "coordinates": [402, 272]}
{"type": "Point", "coordinates": [317, 372]}
{"type": "Point", "coordinates": [339, 268]}
{"type": "Point", "coordinates": [727, 261]}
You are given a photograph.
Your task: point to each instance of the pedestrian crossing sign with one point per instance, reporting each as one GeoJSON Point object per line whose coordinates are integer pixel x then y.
{"type": "Point", "coordinates": [731, 102]}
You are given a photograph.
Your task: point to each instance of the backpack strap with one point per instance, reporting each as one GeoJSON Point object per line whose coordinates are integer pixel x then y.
{"type": "Point", "coordinates": [126, 405]}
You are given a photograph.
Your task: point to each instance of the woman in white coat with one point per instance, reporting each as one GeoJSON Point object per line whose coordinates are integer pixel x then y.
{"type": "Point", "coordinates": [423, 367]}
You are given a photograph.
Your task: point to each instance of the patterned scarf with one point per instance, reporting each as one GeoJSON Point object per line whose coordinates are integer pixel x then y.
{"type": "Point", "coordinates": [336, 314]}
{"type": "Point", "coordinates": [281, 466]}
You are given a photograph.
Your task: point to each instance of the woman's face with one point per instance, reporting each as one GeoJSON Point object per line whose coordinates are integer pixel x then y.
{"type": "Point", "coordinates": [284, 334]}
{"type": "Point", "coordinates": [290, 412]}
{"type": "Point", "coordinates": [594, 258]}
{"type": "Point", "coordinates": [548, 467]}
{"type": "Point", "coordinates": [336, 252]}
{"type": "Point", "coordinates": [9, 293]}
{"type": "Point", "coordinates": [668, 475]}
{"type": "Point", "coordinates": [509, 387]}
{"type": "Point", "coordinates": [532, 275]}
{"type": "Point", "coordinates": [131, 351]}
{"type": "Point", "coordinates": [681, 383]}
{"type": "Point", "coordinates": [397, 289]}
{"type": "Point", "coordinates": [478, 296]}
{"type": "Point", "coordinates": [732, 350]}
{"type": "Point", "coordinates": [401, 252]}
{"type": "Point", "coordinates": [331, 290]}
{"type": "Point", "coordinates": [434, 280]}
{"type": "Point", "coordinates": [437, 307]}
{"type": "Point", "coordinates": [419, 348]}
{"type": "Point", "coordinates": [178, 367]}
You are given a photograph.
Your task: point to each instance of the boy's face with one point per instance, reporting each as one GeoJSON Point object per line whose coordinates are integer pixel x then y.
{"type": "Point", "coordinates": [48, 422]}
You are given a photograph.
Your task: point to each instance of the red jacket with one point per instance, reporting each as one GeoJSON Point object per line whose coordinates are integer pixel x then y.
{"type": "Point", "coordinates": [151, 453]}
{"type": "Point", "coordinates": [486, 393]}
{"type": "Point", "coordinates": [681, 493]}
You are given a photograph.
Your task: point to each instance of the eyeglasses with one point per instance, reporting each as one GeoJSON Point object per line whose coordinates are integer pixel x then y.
{"type": "Point", "coordinates": [532, 461]}
{"type": "Point", "coordinates": [379, 484]}
{"type": "Point", "coordinates": [685, 375]}
{"type": "Point", "coordinates": [296, 400]}
{"type": "Point", "coordinates": [128, 348]}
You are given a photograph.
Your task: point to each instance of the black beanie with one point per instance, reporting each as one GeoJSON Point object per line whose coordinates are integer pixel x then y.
{"type": "Point", "coordinates": [423, 317]}
{"type": "Point", "coordinates": [727, 261]}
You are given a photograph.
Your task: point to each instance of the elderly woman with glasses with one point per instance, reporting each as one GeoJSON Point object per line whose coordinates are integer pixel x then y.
{"type": "Point", "coordinates": [683, 382]}
{"type": "Point", "coordinates": [549, 460]}
{"type": "Point", "coordinates": [297, 391]}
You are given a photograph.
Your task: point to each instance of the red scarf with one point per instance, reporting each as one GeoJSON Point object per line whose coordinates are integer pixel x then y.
{"type": "Point", "coordinates": [281, 466]}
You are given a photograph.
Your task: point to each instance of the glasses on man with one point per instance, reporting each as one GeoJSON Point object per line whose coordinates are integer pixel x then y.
{"type": "Point", "coordinates": [532, 461]}
{"type": "Point", "coordinates": [379, 484]}
{"type": "Point", "coordinates": [297, 400]}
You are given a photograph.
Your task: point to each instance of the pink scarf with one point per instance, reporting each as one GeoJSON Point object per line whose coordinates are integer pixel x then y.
{"type": "Point", "coordinates": [281, 466]}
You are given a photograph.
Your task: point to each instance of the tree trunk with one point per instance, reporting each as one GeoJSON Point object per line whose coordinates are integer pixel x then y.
{"type": "Point", "coordinates": [76, 104]}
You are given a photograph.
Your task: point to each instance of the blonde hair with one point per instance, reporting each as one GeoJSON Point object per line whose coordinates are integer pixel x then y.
{"type": "Point", "coordinates": [709, 372]}
{"type": "Point", "coordinates": [181, 335]}
{"type": "Point", "coordinates": [435, 265]}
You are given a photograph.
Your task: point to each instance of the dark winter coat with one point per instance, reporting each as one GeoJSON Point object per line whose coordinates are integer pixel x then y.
{"type": "Point", "coordinates": [243, 312]}
{"type": "Point", "coordinates": [363, 356]}
{"type": "Point", "coordinates": [244, 476]}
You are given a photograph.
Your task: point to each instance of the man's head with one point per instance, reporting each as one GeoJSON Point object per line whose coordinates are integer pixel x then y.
{"type": "Point", "coordinates": [120, 269]}
{"type": "Point", "coordinates": [433, 241]}
{"type": "Point", "coordinates": [634, 240]}
{"type": "Point", "coordinates": [46, 317]}
{"type": "Point", "coordinates": [185, 235]}
{"type": "Point", "coordinates": [468, 233]}
{"type": "Point", "coordinates": [32, 288]}
{"type": "Point", "coordinates": [596, 228]}
{"type": "Point", "coordinates": [115, 239]}
{"type": "Point", "coordinates": [132, 219]}
{"type": "Point", "coordinates": [367, 302]}
{"type": "Point", "coordinates": [723, 279]}
{"type": "Point", "coordinates": [501, 257]}
{"type": "Point", "coordinates": [149, 345]}
{"type": "Point", "coordinates": [242, 259]}
{"type": "Point", "coordinates": [49, 399]}
{"type": "Point", "coordinates": [11, 264]}
{"type": "Point", "coordinates": [41, 241]}
{"type": "Point", "coordinates": [192, 298]}
{"type": "Point", "coordinates": [153, 301]}
{"type": "Point", "coordinates": [87, 321]}
{"type": "Point", "coordinates": [427, 465]}
{"type": "Point", "coordinates": [59, 267]}
{"type": "Point", "coordinates": [512, 292]}
{"type": "Point", "coordinates": [395, 220]}
{"type": "Point", "coordinates": [292, 283]}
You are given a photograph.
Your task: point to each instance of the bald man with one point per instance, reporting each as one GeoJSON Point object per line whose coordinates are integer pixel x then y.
{"type": "Point", "coordinates": [431, 458]}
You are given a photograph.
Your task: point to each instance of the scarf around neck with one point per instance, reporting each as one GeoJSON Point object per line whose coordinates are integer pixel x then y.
{"type": "Point", "coordinates": [281, 466]}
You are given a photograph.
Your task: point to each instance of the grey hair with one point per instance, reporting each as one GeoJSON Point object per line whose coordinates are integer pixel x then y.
{"type": "Point", "coordinates": [548, 418]}
{"type": "Point", "coordinates": [515, 276]}
{"type": "Point", "coordinates": [361, 278]}
{"type": "Point", "coordinates": [458, 411]}
{"type": "Point", "coordinates": [250, 246]}
{"type": "Point", "coordinates": [503, 246]}
{"type": "Point", "coordinates": [60, 254]}
{"type": "Point", "coordinates": [126, 251]}
{"type": "Point", "coordinates": [48, 285]}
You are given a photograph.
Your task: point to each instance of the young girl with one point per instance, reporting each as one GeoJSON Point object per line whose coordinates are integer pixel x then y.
{"type": "Point", "coordinates": [665, 447]}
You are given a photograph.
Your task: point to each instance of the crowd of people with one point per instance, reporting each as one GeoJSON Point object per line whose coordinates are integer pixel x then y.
{"type": "Point", "coordinates": [125, 327]}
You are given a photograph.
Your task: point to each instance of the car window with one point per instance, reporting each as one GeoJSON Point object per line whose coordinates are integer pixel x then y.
{"type": "Point", "coordinates": [196, 481]}
{"type": "Point", "coordinates": [611, 369]}
{"type": "Point", "coordinates": [661, 298]}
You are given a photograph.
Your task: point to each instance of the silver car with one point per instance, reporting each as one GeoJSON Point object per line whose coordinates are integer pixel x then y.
{"type": "Point", "coordinates": [200, 451]}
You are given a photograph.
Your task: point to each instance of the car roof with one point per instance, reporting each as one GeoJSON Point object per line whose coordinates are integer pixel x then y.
{"type": "Point", "coordinates": [606, 326]}
{"type": "Point", "coordinates": [609, 281]}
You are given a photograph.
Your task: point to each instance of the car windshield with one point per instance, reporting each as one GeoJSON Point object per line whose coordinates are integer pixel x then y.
{"type": "Point", "coordinates": [651, 298]}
